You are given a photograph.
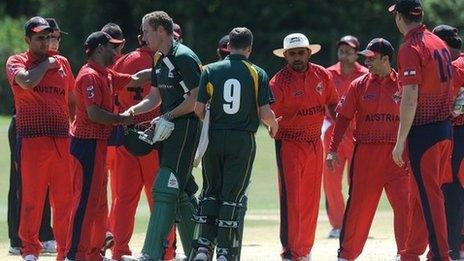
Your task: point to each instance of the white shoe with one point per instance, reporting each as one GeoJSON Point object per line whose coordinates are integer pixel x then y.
{"type": "Point", "coordinates": [305, 258]}
{"type": "Point", "coordinates": [335, 233]}
{"type": "Point", "coordinates": [180, 257]}
{"type": "Point", "coordinates": [203, 254]}
{"type": "Point", "coordinates": [49, 247]}
{"type": "Point", "coordinates": [15, 251]}
{"type": "Point", "coordinates": [221, 258]}
{"type": "Point", "coordinates": [107, 259]}
{"type": "Point", "coordinates": [397, 258]}
{"type": "Point", "coordinates": [341, 259]}
{"type": "Point", "coordinates": [138, 257]}
{"type": "Point", "coordinates": [109, 243]}
{"type": "Point", "coordinates": [30, 258]}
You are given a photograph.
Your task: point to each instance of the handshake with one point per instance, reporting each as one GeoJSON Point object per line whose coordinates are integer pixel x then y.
{"type": "Point", "coordinates": [160, 128]}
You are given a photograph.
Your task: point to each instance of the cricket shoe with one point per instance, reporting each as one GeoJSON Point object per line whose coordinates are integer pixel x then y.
{"type": "Point", "coordinates": [138, 257]}
{"type": "Point", "coordinates": [221, 258]}
{"type": "Point", "coordinates": [49, 247]}
{"type": "Point", "coordinates": [203, 254]}
{"type": "Point", "coordinates": [14, 251]}
{"type": "Point", "coordinates": [30, 258]}
{"type": "Point", "coordinates": [334, 233]}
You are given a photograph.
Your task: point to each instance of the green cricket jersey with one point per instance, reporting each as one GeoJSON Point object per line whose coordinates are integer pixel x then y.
{"type": "Point", "coordinates": [235, 88]}
{"type": "Point", "coordinates": [187, 68]}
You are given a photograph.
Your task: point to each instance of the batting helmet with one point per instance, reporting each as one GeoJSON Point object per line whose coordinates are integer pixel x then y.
{"type": "Point", "coordinates": [138, 139]}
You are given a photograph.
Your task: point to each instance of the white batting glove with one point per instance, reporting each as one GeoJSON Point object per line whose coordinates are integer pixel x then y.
{"type": "Point", "coordinates": [163, 128]}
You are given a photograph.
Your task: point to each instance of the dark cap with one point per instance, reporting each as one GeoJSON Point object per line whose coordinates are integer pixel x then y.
{"type": "Point", "coordinates": [449, 35]}
{"type": "Point", "coordinates": [350, 41]}
{"type": "Point", "coordinates": [176, 31]}
{"type": "Point", "coordinates": [96, 39]}
{"type": "Point", "coordinates": [378, 45]}
{"type": "Point", "coordinates": [222, 45]}
{"type": "Point", "coordinates": [54, 25]}
{"type": "Point", "coordinates": [407, 7]}
{"type": "Point", "coordinates": [36, 24]}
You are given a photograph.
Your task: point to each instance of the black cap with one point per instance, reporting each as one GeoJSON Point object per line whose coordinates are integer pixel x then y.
{"type": "Point", "coordinates": [350, 41]}
{"type": "Point", "coordinates": [407, 7]}
{"type": "Point", "coordinates": [36, 24]}
{"type": "Point", "coordinates": [449, 35]}
{"type": "Point", "coordinates": [96, 39]}
{"type": "Point", "coordinates": [176, 31]}
{"type": "Point", "coordinates": [54, 25]}
{"type": "Point", "coordinates": [378, 45]}
{"type": "Point", "coordinates": [222, 45]}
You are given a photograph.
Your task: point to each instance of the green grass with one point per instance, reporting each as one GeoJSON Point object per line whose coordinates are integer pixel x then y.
{"type": "Point", "coordinates": [263, 193]}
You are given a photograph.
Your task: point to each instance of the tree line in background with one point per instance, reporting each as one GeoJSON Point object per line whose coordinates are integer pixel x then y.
{"type": "Point", "coordinates": [204, 22]}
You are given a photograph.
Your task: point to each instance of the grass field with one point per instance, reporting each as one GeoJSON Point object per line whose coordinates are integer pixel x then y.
{"type": "Point", "coordinates": [261, 232]}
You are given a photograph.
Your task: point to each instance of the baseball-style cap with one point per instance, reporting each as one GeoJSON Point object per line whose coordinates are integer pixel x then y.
{"type": "Point", "coordinates": [54, 25]}
{"type": "Point", "coordinates": [96, 39]}
{"type": "Point", "coordinates": [222, 44]}
{"type": "Point", "coordinates": [449, 35]}
{"type": "Point", "coordinates": [378, 45]}
{"type": "Point", "coordinates": [36, 24]}
{"type": "Point", "coordinates": [296, 40]}
{"type": "Point", "coordinates": [407, 7]}
{"type": "Point", "coordinates": [350, 41]}
{"type": "Point", "coordinates": [176, 31]}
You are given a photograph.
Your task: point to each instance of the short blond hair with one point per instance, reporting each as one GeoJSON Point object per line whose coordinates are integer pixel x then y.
{"type": "Point", "coordinates": [159, 18]}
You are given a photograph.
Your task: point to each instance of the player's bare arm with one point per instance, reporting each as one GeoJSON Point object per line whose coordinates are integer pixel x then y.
{"type": "Point", "coordinates": [28, 79]}
{"type": "Point", "coordinates": [267, 116]}
{"type": "Point", "coordinates": [99, 115]}
{"type": "Point", "coordinates": [200, 110]}
{"type": "Point", "coordinates": [149, 103]}
{"type": "Point", "coordinates": [407, 112]}
{"type": "Point", "coordinates": [140, 78]}
{"type": "Point", "coordinates": [71, 105]}
{"type": "Point", "coordinates": [187, 106]}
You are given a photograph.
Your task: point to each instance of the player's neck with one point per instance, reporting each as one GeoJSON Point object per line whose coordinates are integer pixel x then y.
{"type": "Point", "coordinates": [384, 72]}
{"type": "Point", "coordinates": [239, 52]}
{"type": "Point", "coordinates": [347, 68]}
{"type": "Point", "coordinates": [409, 27]}
{"type": "Point", "coordinates": [166, 45]}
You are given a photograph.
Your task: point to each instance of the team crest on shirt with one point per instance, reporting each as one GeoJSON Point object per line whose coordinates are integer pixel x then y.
{"type": "Point", "coordinates": [320, 88]}
{"type": "Point", "coordinates": [342, 100]}
{"type": "Point", "coordinates": [90, 92]}
{"type": "Point", "coordinates": [396, 97]}
{"type": "Point", "coordinates": [61, 72]}
{"type": "Point", "coordinates": [409, 72]}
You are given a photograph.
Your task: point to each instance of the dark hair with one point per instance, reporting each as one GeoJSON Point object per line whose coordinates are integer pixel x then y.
{"type": "Point", "coordinates": [240, 38]}
{"type": "Point", "coordinates": [159, 18]}
{"type": "Point", "coordinates": [113, 30]}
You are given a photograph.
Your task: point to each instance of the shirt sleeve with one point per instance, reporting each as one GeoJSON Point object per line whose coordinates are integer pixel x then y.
{"type": "Point", "coordinates": [190, 69]}
{"type": "Point", "coordinates": [13, 66]}
{"type": "Point", "coordinates": [264, 93]}
{"type": "Point", "coordinates": [69, 76]}
{"type": "Point", "coordinates": [277, 96]}
{"type": "Point", "coordinates": [120, 80]}
{"type": "Point", "coordinates": [347, 104]}
{"type": "Point", "coordinates": [409, 66]}
{"type": "Point", "coordinates": [91, 91]}
{"type": "Point", "coordinates": [203, 95]}
{"type": "Point", "coordinates": [458, 77]}
{"type": "Point", "coordinates": [332, 94]}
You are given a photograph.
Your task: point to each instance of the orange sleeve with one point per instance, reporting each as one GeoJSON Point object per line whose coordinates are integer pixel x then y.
{"type": "Point", "coordinates": [347, 105]}
{"type": "Point", "coordinates": [91, 90]}
{"type": "Point", "coordinates": [14, 65]}
{"type": "Point", "coordinates": [409, 66]}
{"type": "Point", "coordinates": [120, 80]}
{"type": "Point", "coordinates": [278, 96]}
{"type": "Point", "coordinates": [332, 94]}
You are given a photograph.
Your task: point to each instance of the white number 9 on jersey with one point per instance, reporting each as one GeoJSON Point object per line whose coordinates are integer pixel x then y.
{"type": "Point", "coordinates": [231, 96]}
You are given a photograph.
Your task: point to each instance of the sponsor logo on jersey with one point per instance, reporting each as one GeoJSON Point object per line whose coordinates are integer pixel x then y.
{"type": "Point", "coordinates": [172, 182]}
{"type": "Point", "coordinates": [320, 88]}
{"type": "Point", "coordinates": [90, 92]}
{"type": "Point", "coordinates": [409, 72]}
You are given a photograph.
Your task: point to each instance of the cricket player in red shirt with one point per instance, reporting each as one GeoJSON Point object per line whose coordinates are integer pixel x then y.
{"type": "Point", "coordinates": [304, 93]}
{"type": "Point", "coordinates": [133, 173]}
{"type": "Point", "coordinates": [91, 129]}
{"type": "Point", "coordinates": [454, 191]}
{"type": "Point", "coordinates": [343, 73]}
{"type": "Point", "coordinates": [41, 83]}
{"type": "Point", "coordinates": [373, 101]}
{"type": "Point", "coordinates": [425, 74]}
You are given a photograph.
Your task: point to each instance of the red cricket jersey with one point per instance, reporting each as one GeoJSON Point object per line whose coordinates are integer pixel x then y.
{"type": "Point", "coordinates": [300, 98]}
{"type": "Point", "coordinates": [342, 82]}
{"type": "Point", "coordinates": [374, 102]}
{"type": "Point", "coordinates": [458, 82]}
{"type": "Point", "coordinates": [42, 110]}
{"type": "Point", "coordinates": [140, 59]}
{"type": "Point", "coordinates": [424, 59]}
{"type": "Point", "coordinates": [94, 86]}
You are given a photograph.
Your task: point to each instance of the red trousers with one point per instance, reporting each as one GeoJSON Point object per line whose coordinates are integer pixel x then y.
{"type": "Point", "coordinates": [44, 164]}
{"type": "Point", "coordinates": [110, 165]}
{"type": "Point", "coordinates": [372, 171]}
{"type": "Point", "coordinates": [332, 180]}
{"type": "Point", "coordinates": [132, 175]}
{"type": "Point", "coordinates": [88, 221]}
{"type": "Point", "coordinates": [430, 148]}
{"type": "Point", "coordinates": [300, 174]}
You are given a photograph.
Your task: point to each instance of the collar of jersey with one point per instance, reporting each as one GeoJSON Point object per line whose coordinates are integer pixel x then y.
{"type": "Point", "coordinates": [415, 30]}
{"type": "Point", "coordinates": [236, 57]}
{"type": "Point", "coordinates": [173, 49]}
{"type": "Point", "coordinates": [382, 80]}
{"type": "Point", "coordinates": [308, 70]}
{"type": "Point", "coordinates": [97, 67]}
{"type": "Point", "coordinates": [33, 59]}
